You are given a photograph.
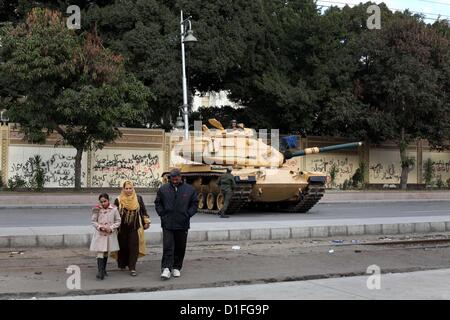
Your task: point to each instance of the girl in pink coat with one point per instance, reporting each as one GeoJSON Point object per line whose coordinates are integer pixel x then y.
{"type": "Point", "coordinates": [106, 221]}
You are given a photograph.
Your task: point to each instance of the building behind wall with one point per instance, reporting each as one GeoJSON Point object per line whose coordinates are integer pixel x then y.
{"type": "Point", "coordinates": [212, 99]}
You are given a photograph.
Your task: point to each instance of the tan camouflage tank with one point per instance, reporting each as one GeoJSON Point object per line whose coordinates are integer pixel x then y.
{"type": "Point", "coordinates": [262, 177]}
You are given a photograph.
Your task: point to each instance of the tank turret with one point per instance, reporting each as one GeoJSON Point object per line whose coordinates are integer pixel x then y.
{"type": "Point", "coordinates": [240, 147]}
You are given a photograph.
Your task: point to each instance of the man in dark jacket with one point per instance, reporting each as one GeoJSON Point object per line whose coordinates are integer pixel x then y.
{"type": "Point", "coordinates": [176, 202]}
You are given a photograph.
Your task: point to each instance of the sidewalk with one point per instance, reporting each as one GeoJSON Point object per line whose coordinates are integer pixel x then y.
{"type": "Point", "coordinates": [421, 285]}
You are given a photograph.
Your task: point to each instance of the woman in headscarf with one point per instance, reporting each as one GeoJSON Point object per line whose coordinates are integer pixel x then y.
{"type": "Point", "coordinates": [134, 219]}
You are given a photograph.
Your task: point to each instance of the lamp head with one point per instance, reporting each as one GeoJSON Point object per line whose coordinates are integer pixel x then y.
{"type": "Point", "coordinates": [179, 124]}
{"type": "Point", "coordinates": [190, 37]}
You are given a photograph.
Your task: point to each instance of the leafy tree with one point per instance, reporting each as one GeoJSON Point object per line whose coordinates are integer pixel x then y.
{"type": "Point", "coordinates": [224, 114]}
{"type": "Point", "coordinates": [16, 10]}
{"type": "Point", "coordinates": [71, 84]}
{"type": "Point", "coordinates": [270, 78]}
{"type": "Point", "coordinates": [13, 10]}
{"type": "Point", "coordinates": [146, 34]}
{"type": "Point", "coordinates": [404, 77]}
{"type": "Point", "coordinates": [335, 81]}
{"type": "Point", "coordinates": [241, 47]}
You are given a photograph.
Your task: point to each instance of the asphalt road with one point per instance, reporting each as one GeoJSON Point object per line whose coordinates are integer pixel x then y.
{"type": "Point", "coordinates": [81, 217]}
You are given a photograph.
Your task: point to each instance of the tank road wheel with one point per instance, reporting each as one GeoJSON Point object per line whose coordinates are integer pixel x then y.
{"type": "Point", "coordinates": [201, 200]}
{"type": "Point", "coordinates": [220, 201]}
{"type": "Point", "coordinates": [211, 201]}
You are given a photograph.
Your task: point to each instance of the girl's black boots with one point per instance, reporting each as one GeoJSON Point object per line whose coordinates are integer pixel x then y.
{"type": "Point", "coordinates": [101, 272]}
{"type": "Point", "coordinates": [105, 262]}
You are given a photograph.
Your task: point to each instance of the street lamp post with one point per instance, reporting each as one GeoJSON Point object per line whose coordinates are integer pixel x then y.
{"type": "Point", "coordinates": [186, 36]}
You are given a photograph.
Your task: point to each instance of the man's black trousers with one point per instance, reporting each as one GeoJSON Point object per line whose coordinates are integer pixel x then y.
{"type": "Point", "coordinates": [174, 248]}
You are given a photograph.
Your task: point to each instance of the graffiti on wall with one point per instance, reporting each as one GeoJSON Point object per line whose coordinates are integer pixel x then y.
{"type": "Point", "coordinates": [440, 167]}
{"type": "Point", "coordinates": [345, 166]}
{"type": "Point", "coordinates": [110, 169]}
{"type": "Point", "coordinates": [440, 163]}
{"type": "Point", "coordinates": [385, 166]}
{"type": "Point", "coordinates": [385, 172]}
{"type": "Point", "coordinates": [59, 170]}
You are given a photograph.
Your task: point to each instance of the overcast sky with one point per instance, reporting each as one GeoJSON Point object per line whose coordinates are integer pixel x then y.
{"type": "Point", "coordinates": [431, 8]}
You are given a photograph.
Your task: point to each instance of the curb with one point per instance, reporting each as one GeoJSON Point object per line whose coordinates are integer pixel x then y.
{"type": "Point", "coordinates": [381, 200]}
{"type": "Point", "coordinates": [280, 233]}
{"type": "Point", "coordinates": [55, 206]}
{"type": "Point", "coordinates": [83, 206]}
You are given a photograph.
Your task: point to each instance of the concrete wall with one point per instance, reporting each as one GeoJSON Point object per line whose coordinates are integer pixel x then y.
{"type": "Point", "coordinates": [346, 161]}
{"type": "Point", "coordinates": [441, 163]}
{"type": "Point", "coordinates": [58, 164]}
{"type": "Point", "coordinates": [322, 163]}
{"type": "Point", "coordinates": [382, 161]}
{"type": "Point", "coordinates": [4, 141]}
{"type": "Point", "coordinates": [385, 168]}
{"type": "Point", "coordinates": [142, 155]}
{"type": "Point", "coordinates": [345, 164]}
{"type": "Point", "coordinates": [111, 166]}
{"type": "Point", "coordinates": [138, 155]}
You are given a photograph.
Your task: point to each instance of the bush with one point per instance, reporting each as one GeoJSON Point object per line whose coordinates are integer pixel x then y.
{"type": "Point", "coordinates": [37, 181]}
{"type": "Point", "coordinates": [16, 182]}
{"type": "Point", "coordinates": [357, 179]}
{"type": "Point", "coordinates": [347, 184]}
{"type": "Point", "coordinates": [333, 173]}
{"type": "Point", "coordinates": [448, 182]}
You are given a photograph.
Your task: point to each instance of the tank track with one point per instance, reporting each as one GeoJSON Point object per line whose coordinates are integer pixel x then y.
{"type": "Point", "coordinates": [239, 199]}
{"type": "Point", "coordinates": [312, 194]}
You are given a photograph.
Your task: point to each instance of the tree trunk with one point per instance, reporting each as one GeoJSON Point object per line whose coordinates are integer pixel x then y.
{"type": "Point", "coordinates": [404, 178]}
{"type": "Point", "coordinates": [404, 162]}
{"type": "Point", "coordinates": [78, 158]}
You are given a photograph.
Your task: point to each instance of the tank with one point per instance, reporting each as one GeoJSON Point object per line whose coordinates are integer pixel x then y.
{"type": "Point", "coordinates": [263, 178]}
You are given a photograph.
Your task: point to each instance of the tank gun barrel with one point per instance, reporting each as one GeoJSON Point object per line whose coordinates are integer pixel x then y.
{"type": "Point", "coordinates": [288, 154]}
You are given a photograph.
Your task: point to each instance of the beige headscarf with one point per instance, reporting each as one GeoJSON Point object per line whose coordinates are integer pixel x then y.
{"type": "Point", "coordinates": [129, 202]}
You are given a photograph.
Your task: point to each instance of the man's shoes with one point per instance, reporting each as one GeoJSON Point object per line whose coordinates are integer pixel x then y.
{"type": "Point", "coordinates": [165, 275]}
{"type": "Point", "coordinates": [176, 273]}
